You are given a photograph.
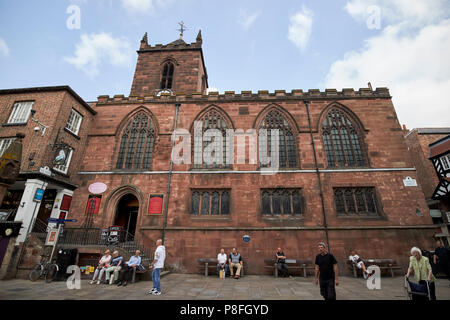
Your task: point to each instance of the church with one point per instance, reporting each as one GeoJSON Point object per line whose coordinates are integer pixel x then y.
{"type": "Point", "coordinates": [343, 172]}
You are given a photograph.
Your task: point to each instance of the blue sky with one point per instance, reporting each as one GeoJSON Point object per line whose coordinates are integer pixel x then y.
{"type": "Point", "coordinates": [248, 45]}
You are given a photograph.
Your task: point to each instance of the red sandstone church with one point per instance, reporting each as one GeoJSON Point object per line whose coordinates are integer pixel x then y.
{"type": "Point", "coordinates": [344, 177]}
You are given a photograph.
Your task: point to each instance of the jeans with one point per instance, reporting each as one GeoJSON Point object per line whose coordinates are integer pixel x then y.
{"type": "Point", "coordinates": [282, 269]}
{"type": "Point", "coordinates": [225, 267]}
{"type": "Point", "coordinates": [98, 274]}
{"type": "Point", "coordinates": [156, 279]}
{"type": "Point", "coordinates": [327, 289]}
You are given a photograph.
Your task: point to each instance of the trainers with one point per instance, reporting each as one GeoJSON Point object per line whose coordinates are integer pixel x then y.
{"type": "Point", "coordinates": [91, 282]}
{"type": "Point", "coordinates": [98, 282]}
{"type": "Point", "coordinates": [151, 291]}
{"type": "Point", "coordinates": [119, 284]}
{"type": "Point", "coordinates": [156, 293]}
{"type": "Point", "coordinates": [365, 275]}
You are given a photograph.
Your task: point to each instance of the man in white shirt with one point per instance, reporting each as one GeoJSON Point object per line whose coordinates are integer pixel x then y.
{"type": "Point", "coordinates": [157, 265]}
{"type": "Point", "coordinates": [222, 262]}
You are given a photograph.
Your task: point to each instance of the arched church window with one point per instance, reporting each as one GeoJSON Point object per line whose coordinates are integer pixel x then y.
{"type": "Point", "coordinates": [213, 119]}
{"type": "Point", "coordinates": [136, 145]}
{"type": "Point", "coordinates": [275, 120]}
{"type": "Point", "coordinates": [167, 76]}
{"type": "Point", "coordinates": [342, 141]}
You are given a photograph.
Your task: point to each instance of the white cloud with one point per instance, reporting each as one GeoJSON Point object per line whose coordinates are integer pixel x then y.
{"type": "Point", "coordinates": [143, 6]}
{"type": "Point", "coordinates": [97, 49]}
{"type": "Point", "coordinates": [409, 56]}
{"type": "Point", "coordinates": [300, 28]}
{"type": "Point", "coordinates": [4, 50]}
{"type": "Point", "coordinates": [246, 20]}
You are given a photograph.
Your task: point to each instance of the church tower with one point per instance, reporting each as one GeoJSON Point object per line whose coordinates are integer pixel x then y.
{"type": "Point", "coordinates": [177, 66]}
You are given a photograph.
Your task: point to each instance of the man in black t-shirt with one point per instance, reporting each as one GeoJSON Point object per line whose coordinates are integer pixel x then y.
{"type": "Point", "coordinates": [442, 258]}
{"type": "Point", "coordinates": [326, 273]}
{"type": "Point", "coordinates": [281, 263]}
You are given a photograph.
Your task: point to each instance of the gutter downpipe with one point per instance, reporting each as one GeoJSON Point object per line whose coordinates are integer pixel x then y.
{"type": "Point", "coordinates": [169, 180]}
{"type": "Point", "coordinates": [325, 225]}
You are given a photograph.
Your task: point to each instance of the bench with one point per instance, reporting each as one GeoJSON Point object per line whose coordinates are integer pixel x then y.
{"type": "Point", "coordinates": [138, 272]}
{"type": "Point", "coordinates": [383, 264]}
{"type": "Point", "coordinates": [207, 263]}
{"type": "Point", "coordinates": [300, 264]}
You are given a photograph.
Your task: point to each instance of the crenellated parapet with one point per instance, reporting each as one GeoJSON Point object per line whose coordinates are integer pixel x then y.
{"type": "Point", "coordinates": [247, 95]}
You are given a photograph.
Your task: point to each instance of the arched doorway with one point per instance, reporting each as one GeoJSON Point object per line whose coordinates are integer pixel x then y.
{"type": "Point", "coordinates": [126, 215]}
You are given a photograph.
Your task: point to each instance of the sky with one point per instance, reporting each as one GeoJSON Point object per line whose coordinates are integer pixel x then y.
{"type": "Point", "coordinates": [91, 46]}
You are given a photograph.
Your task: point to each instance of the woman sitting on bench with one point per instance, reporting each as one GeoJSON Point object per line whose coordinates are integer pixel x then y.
{"type": "Point", "coordinates": [356, 260]}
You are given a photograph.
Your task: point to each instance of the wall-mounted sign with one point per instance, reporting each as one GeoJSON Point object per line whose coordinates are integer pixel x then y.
{"type": "Point", "coordinates": [155, 204]}
{"type": "Point", "coordinates": [104, 234]}
{"type": "Point", "coordinates": [38, 195]}
{"type": "Point", "coordinates": [114, 235]}
{"type": "Point", "coordinates": [65, 204]}
{"type": "Point", "coordinates": [246, 238]}
{"type": "Point", "coordinates": [93, 204]}
{"type": "Point", "coordinates": [97, 188]}
{"type": "Point", "coordinates": [409, 182]}
{"type": "Point", "coordinates": [46, 171]}
{"type": "Point", "coordinates": [52, 237]}
{"type": "Point", "coordinates": [61, 155]}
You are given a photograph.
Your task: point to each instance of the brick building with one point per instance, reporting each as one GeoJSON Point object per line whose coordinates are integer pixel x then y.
{"type": "Point", "coordinates": [55, 121]}
{"type": "Point", "coordinates": [344, 172]}
{"type": "Point", "coordinates": [418, 141]}
{"type": "Point", "coordinates": [344, 175]}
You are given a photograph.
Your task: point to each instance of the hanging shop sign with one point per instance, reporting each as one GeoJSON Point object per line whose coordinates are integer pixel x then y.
{"type": "Point", "coordinates": [61, 155]}
{"type": "Point", "coordinates": [155, 204]}
{"type": "Point", "coordinates": [97, 188]}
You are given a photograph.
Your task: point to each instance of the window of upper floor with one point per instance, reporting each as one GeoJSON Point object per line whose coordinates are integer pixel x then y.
{"type": "Point", "coordinates": [20, 112]}
{"type": "Point", "coordinates": [74, 122]}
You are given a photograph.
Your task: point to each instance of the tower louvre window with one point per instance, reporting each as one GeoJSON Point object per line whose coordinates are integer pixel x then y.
{"type": "Point", "coordinates": [167, 76]}
{"type": "Point", "coordinates": [136, 146]}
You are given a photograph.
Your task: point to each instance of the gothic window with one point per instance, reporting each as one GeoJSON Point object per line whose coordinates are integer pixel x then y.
{"type": "Point", "coordinates": [136, 145]}
{"type": "Point", "coordinates": [210, 202]}
{"type": "Point", "coordinates": [211, 120]}
{"type": "Point", "coordinates": [342, 141]}
{"type": "Point", "coordinates": [167, 76]}
{"type": "Point", "coordinates": [282, 202]}
{"type": "Point", "coordinates": [355, 201]}
{"type": "Point", "coordinates": [287, 155]}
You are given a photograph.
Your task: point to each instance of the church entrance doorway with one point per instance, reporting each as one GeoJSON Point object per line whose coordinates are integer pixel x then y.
{"type": "Point", "coordinates": [126, 216]}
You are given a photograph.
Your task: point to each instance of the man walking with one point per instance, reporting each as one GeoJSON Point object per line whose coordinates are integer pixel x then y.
{"type": "Point", "coordinates": [157, 265]}
{"type": "Point", "coordinates": [281, 263]}
{"type": "Point", "coordinates": [442, 258]}
{"type": "Point", "coordinates": [326, 272]}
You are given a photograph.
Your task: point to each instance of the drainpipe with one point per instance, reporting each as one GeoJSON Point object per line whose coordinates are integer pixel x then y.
{"type": "Point", "coordinates": [166, 207]}
{"type": "Point", "coordinates": [316, 167]}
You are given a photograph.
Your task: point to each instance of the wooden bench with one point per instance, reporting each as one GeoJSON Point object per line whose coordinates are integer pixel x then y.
{"type": "Point", "coordinates": [300, 264]}
{"type": "Point", "coordinates": [383, 264]}
{"type": "Point", "coordinates": [138, 272]}
{"type": "Point", "coordinates": [207, 263]}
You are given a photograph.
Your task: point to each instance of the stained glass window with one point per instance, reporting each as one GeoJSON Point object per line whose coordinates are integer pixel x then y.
{"type": "Point", "coordinates": [342, 141]}
{"type": "Point", "coordinates": [136, 145]}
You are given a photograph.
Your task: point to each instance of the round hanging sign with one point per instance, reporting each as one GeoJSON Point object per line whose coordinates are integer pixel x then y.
{"type": "Point", "coordinates": [97, 188]}
{"type": "Point", "coordinates": [246, 238]}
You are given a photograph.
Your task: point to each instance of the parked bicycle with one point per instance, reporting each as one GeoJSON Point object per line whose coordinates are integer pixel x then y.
{"type": "Point", "coordinates": [44, 269]}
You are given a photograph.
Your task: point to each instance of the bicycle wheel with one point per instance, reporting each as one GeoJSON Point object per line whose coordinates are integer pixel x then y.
{"type": "Point", "coordinates": [51, 273]}
{"type": "Point", "coordinates": [35, 273]}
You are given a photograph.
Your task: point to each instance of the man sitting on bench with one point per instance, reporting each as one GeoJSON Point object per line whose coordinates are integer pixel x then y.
{"type": "Point", "coordinates": [281, 263]}
{"type": "Point", "coordinates": [222, 262]}
{"type": "Point", "coordinates": [357, 261]}
{"type": "Point", "coordinates": [134, 262]}
{"type": "Point", "coordinates": [235, 260]}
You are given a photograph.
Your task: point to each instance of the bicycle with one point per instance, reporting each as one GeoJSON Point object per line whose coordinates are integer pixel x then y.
{"type": "Point", "coordinates": [43, 268]}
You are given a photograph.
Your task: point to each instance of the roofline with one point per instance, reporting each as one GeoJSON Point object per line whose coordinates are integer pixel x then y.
{"type": "Point", "coordinates": [433, 144]}
{"type": "Point", "coordinates": [51, 88]}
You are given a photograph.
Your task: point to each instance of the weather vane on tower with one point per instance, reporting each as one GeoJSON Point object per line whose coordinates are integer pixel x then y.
{"type": "Point", "coordinates": [182, 29]}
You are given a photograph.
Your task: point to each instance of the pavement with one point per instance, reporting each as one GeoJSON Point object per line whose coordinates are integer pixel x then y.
{"type": "Point", "coordinates": [199, 287]}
